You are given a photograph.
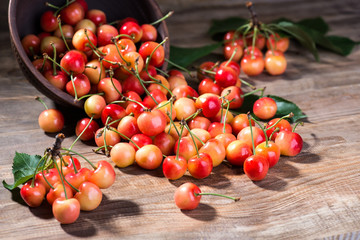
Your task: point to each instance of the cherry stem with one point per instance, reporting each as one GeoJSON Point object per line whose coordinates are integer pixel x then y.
{"type": "Point", "coordinates": [122, 35]}
{"type": "Point", "coordinates": [251, 132]}
{"type": "Point", "coordinates": [290, 115]}
{"type": "Point", "coordinates": [262, 129]}
{"type": "Point", "coordinates": [62, 34]}
{"type": "Point", "coordinates": [275, 130]}
{"type": "Point", "coordinates": [162, 72]}
{"type": "Point", "coordinates": [91, 44]}
{"type": "Point", "coordinates": [226, 113]}
{"type": "Point", "coordinates": [37, 167]}
{"type": "Point", "coordinates": [254, 19]}
{"type": "Point", "coordinates": [62, 174]}
{"type": "Point", "coordinates": [147, 61]}
{"type": "Point", "coordinates": [254, 41]}
{"type": "Point", "coordinates": [89, 95]}
{"type": "Point", "coordinates": [178, 146]}
{"type": "Point", "coordinates": [163, 18]}
{"type": "Point", "coordinates": [72, 145]}
{"type": "Point", "coordinates": [61, 177]}
{"type": "Point", "coordinates": [43, 103]}
{"type": "Point", "coordinates": [256, 90]}
{"type": "Point", "coordinates": [104, 135]}
{"type": "Point", "coordinates": [218, 195]}
{"type": "Point", "coordinates": [52, 60]}
{"type": "Point", "coordinates": [301, 123]}
{"type": "Point", "coordinates": [194, 115]}
{"type": "Point", "coordinates": [43, 173]}
{"type": "Point", "coordinates": [231, 57]}
{"type": "Point", "coordinates": [126, 137]}
{"type": "Point", "coordinates": [87, 160]}
{"type": "Point", "coordinates": [73, 84]}
{"type": "Point", "coordinates": [192, 137]}
{"type": "Point", "coordinates": [173, 124]}
{"type": "Point", "coordinates": [113, 84]}
{"type": "Point", "coordinates": [248, 84]}
{"type": "Point", "coordinates": [119, 52]}
{"type": "Point", "coordinates": [54, 65]}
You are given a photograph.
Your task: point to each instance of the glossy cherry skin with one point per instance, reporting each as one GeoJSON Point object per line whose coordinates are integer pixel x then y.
{"type": "Point", "coordinates": [237, 152]}
{"type": "Point", "coordinates": [76, 179]}
{"type": "Point", "coordinates": [199, 122]}
{"type": "Point", "coordinates": [184, 91]}
{"type": "Point", "coordinates": [112, 89]}
{"type": "Point", "coordinates": [187, 147]}
{"type": "Point", "coordinates": [152, 123]}
{"type": "Point", "coordinates": [140, 140]}
{"type": "Point", "coordinates": [201, 134]}
{"type": "Point", "coordinates": [33, 196]}
{"type": "Point", "coordinates": [132, 29]}
{"type": "Point", "coordinates": [94, 106]}
{"type": "Point", "coordinates": [239, 122]}
{"type": "Point", "coordinates": [58, 191]}
{"type": "Point", "coordinates": [265, 108]}
{"type": "Point", "coordinates": [149, 157]}
{"type": "Point", "coordinates": [51, 120]}
{"type": "Point", "coordinates": [270, 152]}
{"type": "Point", "coordinates": [83, 39]}
{"type": "Point", "coordinates": [229, 50]}
{"type": "Point", "coordinates": [115, 112]}
{"type": "Point", "coordinates": [165, 142]}
{"type": "Point", "coordinates": [207, 85]}
{"type": "Point", "coordinates": [123, 154]}
{"type": "Point", "coordinates": [89, 133]}
{"type": "Point", "coordinates": [252, 66]}
{"type": "Point", "coordinates": [175, 81]}
{"type": "Point", "coordinates": [283, 125]}
{"type": "Point", "coordinates": [48, 21]}
{"type": "Point", "coordinates": [217, 128]}
{"type": "Point", "coordinates": [234, 95]}
{"type": "Point", "coordinates": [51, 175]}
{"type": "Point", "coordinates": [158, 57]}
{"type": "Point", "coordinates": [226, 76]}
{"type": "Point", "coordinates": [174, 168]}
{"type": "Point", "coordinates": [105, 34]}
{"type": "Point", "coordinates": [111, 138]}
{"type": "Point", "coordinates": [149, 33]}
{"type": "Point", "coordinates": [216, 150]}
{"type": "Point", "coordinates": [128, 127]}
{"type": "Point", "coordinates": [104, 175]}
{"type": "Point", "coordinates": [72, 14]}
{"type": "Point", "coordinates": [256, 167]}
{"type": "Point", "coordinates": [250, 51]}
{"type": "Point", "coordinates": [278, 43]}
{"type": "Point", "coordinates": [185, 197]}
{"type": "Point", "coordinates": [200, 167]}
{"type": "Point", "coordinates": [89, 196]}
{"type": "Point", "coordinates": [275, 64]}
{"type": "Point", "coordinates": [66, 211]}
{"type": "Point", "coordinates": [59, 80]}
{"type": "Point", "coordinates": [226, 138]}
{"type": "Point", "coordinates": [184, 107]}
{"type": "Point", "coordinates": [31, 44]}
{"type": "Point", "coordinates": [73, 61]}
{"type": "Point", "coordinates": [209, 103]}
{"type": "Point", "coordinates": [97, 16]}
{"type": "Point", "coordinates": [158, 95]}
{"type": "Point", "coordinates": [112, 57]}
{"type": "Point", "coordinates": [245, 135]}
{"type": "Point", "coordinates": [290, 143]}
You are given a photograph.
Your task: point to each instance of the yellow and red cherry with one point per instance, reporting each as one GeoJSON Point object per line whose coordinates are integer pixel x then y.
{"type": "Point", "coordinates": [149, 33]}
{"type": "Point", "coordinates": [217, 128]}
{"type": "Point", "coordinates": [81, 83]}
{"type": "Point", "coordinates": [209, 103]}
{"type": "Point", "coordinates": [226, 76]}
{"type": "Point", "coordinates": [141, 140]}
{"type": "Point", "coordinates": [184, 91]}
{"type": "Point", "coordinates": [187, 196]}
{"type": "Point", "coordinates": [132, 83]}
{"type": "Point", "coordinates": [253, 51]}
{"type": "Point", "coordinates": [58, 80]}
{"type": "Point", "coordinates": [112, 57]}
{"type": "Point", "coordinates": [184, 107]}
{"type": "Point", "coordinates": [94, 106]}
{"type": "Point", "coordinates": [73, 62]}
{"type": "Point", "coordinates": [94, 71]}
{"type": "Point", "coordinates": [158, 56]}
{"type": "Point", "coordinates": [68, 165]}
{"type": "Point", "coordinates": [149, 157]}
{"type": "Point", "coordinates": [290, 143]}
{"type": "Point", "coordinates": [245, 135]}
{"type": "Point", "coordinates": [85, 24]}
{"type": "Point", "coordinates": [283, 125]}
{"type": "Point", "coordinates": [123, 154]}
{"type": "Point", "coordinates": [174, 167]}
{"type": "Point", "coordinates": [167, 109]}
{"type": "Point", "coordinates": [111, 138]}
{"type": "Point", "coordinates": [237, 152]}
{"type": "Point", "coordinates": [91, 128]}
{"type": "Point", "coordinates": [199, 122]}
{"type": "Point", "coordinates": [58, 191]}
{"type": "Point", "coordinates": [66, 211]}
{"type": "Point", "coordinates": [128, 126]}
{"type": "Point", "coordinates": [105, 33]}
{"type": "Point", "coordinates": [165, 142]}
{"type": "Point", "coordinates": [216, 150]}
{"type": "Point", "coordinates": [84, 40]}
{"type": "Point", "coordinates": [252, 65]}
{"type": "Point", "coordinates": [187, 148]}
{"type": "Point", "coordinates": [104, 175]}
{"type": "Point", "coordinates": [135, 109]}
{"type": "Point", "coordinates": [271, 152]}
{"type": "Point", "coordinates": [51, 120]}
{"type": "Point", "coordinates": [240, 122]}
{"type": "Point", "coordinates": [175, 81]}
{"type": "Point", "coordinates": [275, 64]}
{"type": "Point", "coordinates": [132, 29]}
{"type": "Point", "coordinates": [115, 112]}
{"type": "Point", "coordinates": [33, 193]}
{"type": "Point", "coordinates": [260, 41]}
{"type": "Point", "coordinates": [97, 16]}
{"type": "Point", "coordinates": [208, 85]}
{"type": "Point", "coordinates": [277, 43]}
{"type": "Point", "coordinates": [265, 108]}
{"type": "Point", "coordinates": [158, 95]}
{"type": "Point", "coordinates": [226, 138]}
{"type": "Point", "coordinates": [76, 179]}
{"type": "Point", "coordinates": [234, 95]}
{"type": "Point", "coordinates": [223, 116]}
{"type": "Point", "coordinates": [256, 167]}
{"type": "Point", "coordinates": [111, 88]}
{"type": "Point", "coordinates": [41, 65]}
{"type": "Point", "coordinates": [200, 166]}
{"type": "Point", "coordinates": [201, 134]}
{"type": "Point", "coordinates": [152, 123]}
{"type": "Point", "coordinates": [89, 196]}
{"type": "Point", "coordinates": [72, 14]}
{"type": "Point", "coordinates": [229, 50]}
{"type": "Point", "coordinates": [206, 66]}
{"type": "Point", "coordinates": [126, 45]}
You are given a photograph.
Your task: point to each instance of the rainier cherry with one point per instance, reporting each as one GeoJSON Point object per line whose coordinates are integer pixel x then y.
{"type": "Point", "coordinates": [237, 151]}
{"type": "Point", "coordinates": [289, 142]}
{"type": "Point", "coordinates": [151, 123]}
{"type": "Point", "coordinates": [265, 108]}
{"type": "Point", "coordinates": [174, 167]}
{"type": "Point", "coordinates": [89, 196]}
{"type": "Point", "coordinates": [256, 167]}
{"type": "Point", "coordinates": [123, 154]}
{"type": "Point", "coordinates": [149, 157]}
{"type": "Point", "coordinates": [91, 128]}
{"type": "Point", "coordinates": [104, 175]}
{"type": "Point", "coordinates": [66, 211]}
{"type": "Point", "coordinates": [200, 166]}
{"type": "Point", "coordinates": [50, 120]}
{"type": "Point", "coordinates": [33, 193]}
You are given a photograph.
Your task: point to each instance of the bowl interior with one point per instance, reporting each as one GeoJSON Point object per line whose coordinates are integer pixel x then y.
{"type": "Point", "coordinates": [24, 18]}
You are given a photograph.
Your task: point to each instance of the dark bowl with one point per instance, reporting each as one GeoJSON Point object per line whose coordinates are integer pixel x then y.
{"type": "Point", "coordinates": [24, 18]}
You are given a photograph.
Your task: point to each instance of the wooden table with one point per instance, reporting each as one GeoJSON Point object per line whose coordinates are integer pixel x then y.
{"type": "Point", "coordinates": [313, 195]}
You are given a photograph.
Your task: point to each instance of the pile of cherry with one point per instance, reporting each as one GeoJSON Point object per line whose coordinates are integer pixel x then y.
{"type": "Point", "coordinates": [140, 114]}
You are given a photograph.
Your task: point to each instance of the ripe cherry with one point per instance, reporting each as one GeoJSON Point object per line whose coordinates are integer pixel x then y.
{"type": "Point", "coordinates": [123, 154]}
{"type": "Point", "coordinates": [66, 211]}
{"type": "Point", "coordinates": [234, 95]}
{"type": "Point", "coordinates": [105, 34]}
{"type": "Point", "coordinates": [290, 143]}
{"type": "Point", "coordinates": [282, 124]}
{"type": "Point", "coordinates": [199, 122]}
{"type": "Point", "coordinates": [73, 62]}
{"type": "Point", "coordinates": [149, 33]}
{"type": "Point", "coordinates": [278, 43]}
{"type": "Point", "coordinates": [245, 135]}
{"type": "Point", "coordinates": [252, 66]}
{"type": "Point", "coordinates": [96, 16]}
{"type": "Point", "coordinates": [33, 193]}
{"type": "Point", "coordinates": [50, 120]}
{"type": "Point", "coordinates": [271, 152]}
{"type": "Point", "coordinates": [256, 167]}
{"type": "Point", "coordinates": [237, 151]}
{"type": "Point", "coordinates": [158, 57]}
{"type": "Point", "coordinates": [275, 64]}
{"type": "Point", "coordinates": [187, 148]}
{"type": "Point", "coordinates": [184, 107]}
{"type": "Point", "coordinates": [209, 103]}
{"type": "Point", "coordinates": [165, 142]}
{"type": "Point", "coordinates": [104, 175]}
{"type": "Point", "coordinates": [128, 127]}
{"type": "Point", "coordinates": [225, 76]}
{"type": "Point", "coordinates": [72, 14]}
{"type": "Point", "coordinates": [31, 45]}
{"type": "Point", "coordinates": [59, 79]}
{"type": "Point", "coordinates": [265, 108]}
{"type": "Point", "coordinates": [149, 157]}
{"type": "Point", "coordinates": [173, 167]}
{"type": "Point", "coordinates": [89, 196]}
{"type": "Point", "coordinates": [115, 112]}
{"type": "Point", "coordinates": [207, 85]}
{"type": "Point", "coordinates": [112, 89]}
{"type": "Point", "coordinates": [132, 29]}
{"type": "Point", "coordinates": [48, 21]}
{"type": "Point", "coordinates": [151, 123]}
{"type": "Point", "coordinates": [200, 166]}
{"type": "Point", "coordinates": [216, 150]}
{"type": "Point", "coordinates": [141, 140]}
{"type": "Point", "coordinates": [239, 122]}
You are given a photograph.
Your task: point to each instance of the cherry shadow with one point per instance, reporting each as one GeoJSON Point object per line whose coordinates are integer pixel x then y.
{"type": "Point", "coordinates": [272, 182]}
{"type": "Point", "coordinates": [16, 197]}
{"type": "Point", "coordinates": [203, 212]}
{"type": "Point", "coordinates": [136, 170]}
{"type": "Point", "coordinates": [44, 211]}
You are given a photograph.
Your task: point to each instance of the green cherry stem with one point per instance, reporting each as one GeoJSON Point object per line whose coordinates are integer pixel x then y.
{"type": "Point", "coordinates": [52, 60]}
{"type": "Point", "coordinates": [254, 91]}
{"type": "Point", "coordinates": [275, 130]}
{"type": "Point", "coordinates": [251, 132]}
{"type": "Point", "coordinates": [163, 18]}
{"type": "Point", "coordinates": [61, 177]}
{"type": "Point", "coordinates": [192, 137]}
{"type": "Point", "coordinates": [62, 174]}
{"type": "Point", "coordinates": [77, 139]}
{"type": "Point", "coordinates": [89, 95]}
{"type": "Point", "coordinates": [290, 115]}
{"type": "Point", "coordinates": [54, 65]}
{"type": "Point", "coordinates": [43, 103]}
{"type": "Point", "coordinates": [61, 32]}
{"type": "Point", "coordinates": [301, 123]}
{"type": "Point", "coordinates": [226, 113]}
{"type": "Point", "coordinates": [126, 137]}
{"type": "Point", "coordinates": [247, 84]}
{"type": "Point", "coordinates": [262, 129]}
{"type": "Point", "coordinates": [37, 167]}
{"type": "Point", "coordinates": [87, 160]}
{"type": "Point", "coordinates": [219, 195]}
{"type": "Point", "coordinates": [178, 146]}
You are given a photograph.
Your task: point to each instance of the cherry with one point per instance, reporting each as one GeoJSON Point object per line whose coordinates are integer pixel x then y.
{"type": "Point", "coordinates": [176, 81]}
{"type": "Point", "coordinates": [187, 148]}
{"type": "Point", "coordinates": [209, 103]}
{"type": "Point", "coordinates": [252, 65]}
{"type": "Point", "coordinates": [149, 157]}
{"type": "Point", "coordinates": [132, 29]}
{"type": "Point", "coordinates": [256, 167]}
{"type": "Point", "coordinates": [84, 40]}
{"type": "Point", "coordinates": [112, 57]}
{"type": "Point", "coordinates": [225, 76]}
{"type": "Point", "coordinates": [67, 32]}
{"type": "Point", "coordinates": [161, 80]}
{"type": "Point", "coordinates": [58, 192]}
{"type": "Point", "coordinates": [72, 14]}
{"type": "Point", "coordinates": [205, 66]}
{"type": "Point", "coordinates": [245, 135]}
{"type": "Point", "coordinates": [216, 150]}
{"type": "Point", "coordinates": [132, 83]}
{"type": "Point", "coordinates": [271, 152]}
{"type": "Point", "coordinates": [265, 108]}
{"type": "Point", "coordinates": [234, 95]}
{"type": "Point", "coordinates": [226, 138]}
{"type": "Point", "coordinates": [31, 45]}
{"type": "Point", "coordinates": [184, 107]}
{"type": "Point", "coordinates": [89, 196]}
{"type": "Point", "coordinates": [133, 62]}
{"type": "Point", "coordinates": [207, 85]}
{"type": "Point", "coordinates": [240, 122]}
{"type": "Point", "coordinates": [94, 106]}
{"type": "Point", "coordinates": [237, 151]}
{"type": "Point", "coordinates": [233, 64]}
{"type": "Point", "coordinates": [290, 143]}
{"type": "Point", "coordinates": [282, 124]}
{"type": "Point", "coordinates": [94, 71]}
{"type": "Point", "coordinates": [115, 112]}
{"type": "Point", "coordinates": [82, 85]}
{"type": "Point", "coordinates": [59, 79]}
{"type": "Point", "coordinates": [174, 130]}
{"type": "Point", "coordinates": [149, 33]}
{"type": "Point", "coordinates": [151, 123]}
{"type": "Point", "coordinates": [51, 175]}
{"type": "Point", "coordinates": [165, 142]}
{"type": "Point", "coordinates": [96, 16]}
{"type": "Point", "coordinates": [158, 56]}
{"type": "Point", "coordinates": [112, 89]}
{"type": "Point", "coordinates": [47, 43]}
{"type": "Point", "coordinates": [166, 108]}
{"type": "Point", "coordinates": [156, 94]}
{"type": "Point", "coordinates": [135, 109]}
{"type": "Point", "coordinates": [123, 154]}
{"type": "Point", "coordinates": [66, 211]}
{"type": "Point", "coordinates": [141, 140]}
{"type": "Point", "coordinates": [76, 179]}
{"type": "Point", "coordinates": [275, 64]}
{"type": "Point", "coordinates": [85, 24]}
{"type": "Point", "coordinates": [50, 120]}
{"type": "Point", "coordinates": [202, 136]}
{"type": "Point", "coordinates": [223, 116]}
{"type": "Point", "coordinates": [250, 51]}
{"type": "Point", "coordinates": [41, 65]}
{"type": "Point", "coordinates": [200, 166]}
{"type": "Point", "coordinates": [184, 91]}
{"type": "Point", "coordinates": [126, 45]}
{"type": "Point", "coordinates": [33, 193]}
{"type": "Point", "coordinates": [278, 43]}
{"type": "Point", "coordinates": [104, 175]}
{"type": "Point", "coordinates": [67, 164]}
{"type": "Point", "coordinates": [231, 36]}
{"type": "Point", "coordinates": [199, 122]}
{"type": "Point", "coordinates": [128, 127]}
{"type": "Point", "coordinates": [173, 167]}
{"type": "Point", "coordinates": [111, 137]}
{"type": "Point", "coordinates": [73, 62]}
{"type": "Point", "coordinates": [48, 21]}
{"type": "Point", "coordinates": [217, 128]}
{"type": "Point", "coordinates": [229, 50]}
{"type": "Point", "coordinates": [259, 40]}
{"type": "Point", "coordinates": [105, 34]}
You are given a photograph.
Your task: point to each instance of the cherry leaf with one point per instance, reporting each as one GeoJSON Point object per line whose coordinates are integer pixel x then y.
{"type": "Point", "coordinates": [186, 56]}
{"type": "Point", "coordinates": [225, 25]}
{"type": "Point", "coordinates": [317, 24]}
{"type": "Point", "coordinates": [23, 168]}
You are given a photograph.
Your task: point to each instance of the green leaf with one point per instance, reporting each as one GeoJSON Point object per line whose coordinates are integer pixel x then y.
{"type": "Point", "coordinates": [225, 25]}
{"type": "Point", "coordinates": [317, 24]}
{"type": "Point", "coordinates": [299, 34]}
{"type": "Point", "coordinates": [284, 107]}
{"type": "Point", "coordinates": [23, 168]}
{"type": "Point", "coordinates": [186, 56]}
{"type": "Point", "coordinates": [345, 45]}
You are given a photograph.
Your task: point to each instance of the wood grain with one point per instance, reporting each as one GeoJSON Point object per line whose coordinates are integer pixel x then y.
{"type": "Point", "coordinates": [314, 195]}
